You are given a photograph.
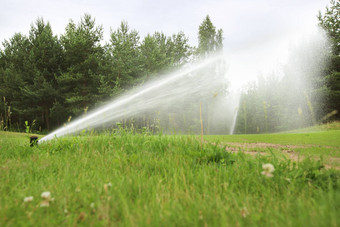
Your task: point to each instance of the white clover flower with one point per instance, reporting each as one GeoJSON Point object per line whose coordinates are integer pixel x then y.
{"type": "Point", "coordinates": [109, 184]}
{"type": "Point", "coordinates": [28, 199]}
{"type": "Point", "coordinates": [46, 195]}
{"type": "Point", "coordinates": [268, 170]}
{"type": "Point", "coordinates": [92, 205]}
{"type": "Point", "coordinates": [268, 167]}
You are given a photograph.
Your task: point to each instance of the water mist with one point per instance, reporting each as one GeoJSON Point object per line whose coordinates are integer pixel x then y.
{"type": "Point", "coordinates": [174, 99]}
{"type": "Point", "coordinates": [218, 83]}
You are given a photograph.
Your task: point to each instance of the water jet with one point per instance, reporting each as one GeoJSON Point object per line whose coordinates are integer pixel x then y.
{"type": "Point", "coordinates": [230, 89]}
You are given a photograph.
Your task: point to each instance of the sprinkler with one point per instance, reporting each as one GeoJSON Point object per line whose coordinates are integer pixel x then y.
{"type": "Point", "coordinates": [33, 141]}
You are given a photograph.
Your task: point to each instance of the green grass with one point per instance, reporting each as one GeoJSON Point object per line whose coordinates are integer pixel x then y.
{"type": "Point", "coordinates": [318, 142]}
{"type": "Point", "coordinates": [323, 138]}
{"type": "Point", "coordinates": [164, 181]}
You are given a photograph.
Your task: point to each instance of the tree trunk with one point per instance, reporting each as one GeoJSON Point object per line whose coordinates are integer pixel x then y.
{"type": "Point", "coordinates": [47, 119]}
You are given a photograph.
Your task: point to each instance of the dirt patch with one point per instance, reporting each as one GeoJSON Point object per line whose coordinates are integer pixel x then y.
{"type": "Point", "coordinates": [288, 150]}
{"type": "Point", "coordinates": [268, 145]}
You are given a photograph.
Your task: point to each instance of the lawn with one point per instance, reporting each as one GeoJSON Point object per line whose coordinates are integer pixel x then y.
{"type": "Point", "coordinates": [126, 179]}
{"type": "Point", "coordinates": [319, 142]}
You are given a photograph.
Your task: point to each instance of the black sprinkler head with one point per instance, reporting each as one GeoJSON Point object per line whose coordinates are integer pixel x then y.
{"type": "Point", "coordinates": [33, 140]}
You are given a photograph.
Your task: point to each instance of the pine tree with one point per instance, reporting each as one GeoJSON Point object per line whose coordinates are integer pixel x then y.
{"type": "Point", "coordinates": [14, 68]}
{"type": "Point", "coordinates": [178, 49]}
{"type": "Point", "coordinates": [330, 22]}
{"type": "Point", "coordinates": [82, 54]}
{"type": "Point", "coordinates": [153, 54]}
{"type": "Point", "coordinates": [40, 88]}
{"type": "Point", "coordinates": [209, 40]}
{"type": "Point", "coordinates": [122, 61]}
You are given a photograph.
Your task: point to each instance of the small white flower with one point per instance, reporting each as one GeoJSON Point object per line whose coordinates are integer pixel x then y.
{"type": "Point", "coordinates": [109, 184]}
{"type": "Point", "coordinates": [268, 167]}
{"type": "Point", "coordinates": [92, 205]}
{"type": "Point", "coordinates": [268, 170]}
{"type": "Point", "coordinates": [28, 199]}
{"type": "Point", "coordinates": [46, 195]}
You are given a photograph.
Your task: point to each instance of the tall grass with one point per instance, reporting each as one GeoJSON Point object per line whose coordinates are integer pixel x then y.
{"type": "Point", "coordinates": [127, 179]}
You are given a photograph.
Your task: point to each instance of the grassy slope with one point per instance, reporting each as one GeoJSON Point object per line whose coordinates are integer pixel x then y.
{"type": "Point", "coordinates": [322, 135]}
{"type": "Point", "coordinates": [323, 138]}
{"type": "Point", "coordinates": [168, 180]}
{"type": "Point", "coordinates": [316, 142]}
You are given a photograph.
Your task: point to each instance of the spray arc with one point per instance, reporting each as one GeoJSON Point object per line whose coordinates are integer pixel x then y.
{"type": "Point", "coordinates": [217, 82]}
{"type": "Point", "coordinates": [173, 93]}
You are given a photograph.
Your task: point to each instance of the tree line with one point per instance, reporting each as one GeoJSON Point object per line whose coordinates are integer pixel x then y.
{"type": "Point", "coordinates": [46, 79]}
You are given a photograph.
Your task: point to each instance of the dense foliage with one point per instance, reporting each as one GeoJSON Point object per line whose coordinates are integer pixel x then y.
{"type": "Point", "coordinates": [330, 21]}
{"type": "Point", "coordinates": [45, 79]}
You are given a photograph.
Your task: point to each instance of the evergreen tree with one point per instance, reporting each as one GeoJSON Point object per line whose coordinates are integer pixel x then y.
{"type": "Point", "coordinates": [178, 49]}
{"type": "Point", "coordinates": [122, 61]}
{"type": "Point", "coordinates": [40, 87]}
{"type": "Point", "coordinates": [160, 52]}
{"type": "Point", "coordinates": [330, 22]}
{"type": "Point", "coordinates": [209, 40]}
{"type": "Point", "coordinates": [14, 68]}
{"type": "Point", "coordinates": [153, 54]}
{"type": "Point", "coordinates": [82, 54]}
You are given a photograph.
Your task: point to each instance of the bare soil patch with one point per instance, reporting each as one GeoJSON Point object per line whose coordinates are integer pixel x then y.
{"type": "Point", "coordinates": [288, 150]}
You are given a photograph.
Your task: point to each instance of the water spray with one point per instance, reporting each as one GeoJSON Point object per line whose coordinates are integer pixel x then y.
{"type": "Point", "coordinates": [174, 89]}
{"type": "Point", "coordinates": [182, 91]}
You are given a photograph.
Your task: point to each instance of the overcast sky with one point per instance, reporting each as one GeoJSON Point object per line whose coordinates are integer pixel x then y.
{"type": "Point", "coordinates": [243, 21]}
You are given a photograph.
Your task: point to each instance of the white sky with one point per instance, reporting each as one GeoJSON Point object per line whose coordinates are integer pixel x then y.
{"type": "Point", "coordinates": [243, 21]}
{"type": "Point", "coordinates": [257, 33]}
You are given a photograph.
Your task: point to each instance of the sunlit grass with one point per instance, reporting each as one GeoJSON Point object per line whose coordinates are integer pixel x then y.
{"type": "Point", "coordinates": [324, 138]}
{"type": "Point", "coordinates": [124, 179]}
